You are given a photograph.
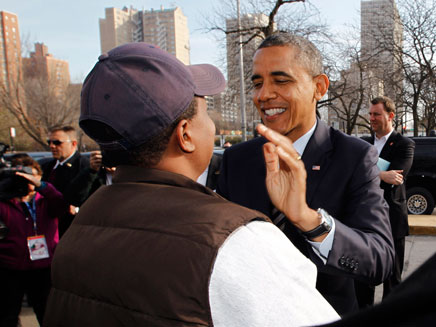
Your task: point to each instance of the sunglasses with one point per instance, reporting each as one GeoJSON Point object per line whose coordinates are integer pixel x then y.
{"type": "Point", "coordinates": [56, 142]}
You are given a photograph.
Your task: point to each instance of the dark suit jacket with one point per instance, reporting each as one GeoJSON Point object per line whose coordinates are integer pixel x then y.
{"type": "Point", "coordinates": [213, 171]}
{"type": "Point", "coordinates": [342, 178]}
{"type": "Point", "coordinates": [399, 151]}
{"type": "Point", "coordinates": [410, 304]}
{"type": "Point", "coordinates": [84, 184]}
{"type": "Point", "coordinates": [62, 179]}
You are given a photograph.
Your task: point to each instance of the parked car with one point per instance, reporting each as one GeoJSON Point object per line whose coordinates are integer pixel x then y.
{"type": "Point", "coordinates": [421, 181]}
{"type": "Point", "coordinates": [40, 156]}
{"type": "Point", "coordinates": [37, 155]}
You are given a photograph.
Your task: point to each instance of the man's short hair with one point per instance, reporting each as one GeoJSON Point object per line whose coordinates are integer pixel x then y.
{"type": "Point", "coordinates": [146, 155]}
{"type": "Point", "coordinates": [69, 130]}
{"type": "Point", "coordinates": [308, 55]}
{"type": "Point", "coordinates": [387, 102]}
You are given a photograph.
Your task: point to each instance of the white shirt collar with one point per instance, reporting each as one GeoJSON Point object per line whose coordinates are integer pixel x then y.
{"type": "Point", "coordinates": [301, 143]}
{"type": "Point", "coordinates": [384, 137]}
{"type": "Point", "coordinates": [202, 179]}
{"type": "Point", "coordinates": [61, 163]}
{"type": "Point", "coordinates": [379, 143]}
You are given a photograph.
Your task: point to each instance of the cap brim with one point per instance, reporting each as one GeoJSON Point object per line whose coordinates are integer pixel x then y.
{"type": "Point", "coordinates": [208, 79]}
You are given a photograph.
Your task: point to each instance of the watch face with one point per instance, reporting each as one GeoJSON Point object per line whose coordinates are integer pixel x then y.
{"type": "Point", "coordinates": [326, 219]}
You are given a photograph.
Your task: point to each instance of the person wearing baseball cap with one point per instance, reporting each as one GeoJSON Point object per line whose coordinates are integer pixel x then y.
{"type": "Point", "coordinates": [156, 248]}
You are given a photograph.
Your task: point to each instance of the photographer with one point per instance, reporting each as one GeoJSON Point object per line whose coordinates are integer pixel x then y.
{"type": "Point", "coordinates": [26, 249]}
{"type": "Point", "coordinates": [89, 180]}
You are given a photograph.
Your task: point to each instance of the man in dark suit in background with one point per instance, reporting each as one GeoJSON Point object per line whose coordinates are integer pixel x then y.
{"type": "Point", "coordinates": [340, 218]}
{"type": "Point", "coordinates": [89, 179]}
{"type": "Point", "coordinates": [65, 165]}
{"type": "Point", "coordinates": [210, 176]}
{"type": "Point", "coordinates": [396, 153]}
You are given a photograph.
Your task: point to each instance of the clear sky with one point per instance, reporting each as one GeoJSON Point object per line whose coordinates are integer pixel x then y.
{"type": "Point", "coordinates": [70, 28]}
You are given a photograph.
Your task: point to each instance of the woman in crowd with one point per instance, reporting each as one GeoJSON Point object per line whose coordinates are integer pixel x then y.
{"type": "Point", "coordinates": [27, 248]}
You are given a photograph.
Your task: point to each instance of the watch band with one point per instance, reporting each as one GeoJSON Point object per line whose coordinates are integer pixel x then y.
{"type": "Point", "coordinates": [322, 228]}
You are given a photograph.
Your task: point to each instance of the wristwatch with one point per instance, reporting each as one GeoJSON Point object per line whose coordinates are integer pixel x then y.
{"type": "Point", "coordinates": [324, 227]}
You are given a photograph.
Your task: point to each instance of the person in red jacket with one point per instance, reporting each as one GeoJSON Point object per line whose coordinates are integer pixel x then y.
{"type": "Point", "coordinates": [27, 249]}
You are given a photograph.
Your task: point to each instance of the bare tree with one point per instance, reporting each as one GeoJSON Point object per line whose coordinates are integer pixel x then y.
{"type": "Point", "coordinates": [428, 122]}
{"type": "Point", "coordinates": [352, 85]}
{"type": "Point", "coordinates": [258, 20]}
{"type": "Point", "coordinates": [298, 19]}
{"type": "Point", "coordinates": [418, 59]}
{"type": "Point", "coordinates": [412, 82]}
{"type": "Point", "coordinates": [40, 104]}
{"type": "Point", "coordinates": [396, 59]}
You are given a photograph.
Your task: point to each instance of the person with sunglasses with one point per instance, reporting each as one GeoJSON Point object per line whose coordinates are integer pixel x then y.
{"type": "Point", "coordinates": [67, 163]}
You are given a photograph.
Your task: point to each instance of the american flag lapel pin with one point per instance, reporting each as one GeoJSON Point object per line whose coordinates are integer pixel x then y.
{"type": "Point", "coordinates": [315, 167]}
{"type": "Point", "coordinates": [390, 144]}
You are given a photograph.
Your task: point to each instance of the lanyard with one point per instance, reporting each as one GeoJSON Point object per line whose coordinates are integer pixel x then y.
{"type": "Point", "coordinates": [32, 211]}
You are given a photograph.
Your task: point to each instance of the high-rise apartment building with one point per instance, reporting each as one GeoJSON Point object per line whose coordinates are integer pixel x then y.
{"type": "Point", "coordinates": [232, 112]}
{"type": "Point", "coordinates": [42, 64]}
{"type": "Point", "coordinates": [10, 49]}
{"type": "Point", "coordinates": [165, 28]}
{"type": "Point", "coordinates": [118, 27]}
{"type": "Point", "coordinates": [381, 43]}
{"type": "Point", "coordinates": [377, 72]}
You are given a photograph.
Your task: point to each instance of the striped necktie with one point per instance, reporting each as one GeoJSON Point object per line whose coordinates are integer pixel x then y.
{"type": "Point", "coordinates": [278, 218]}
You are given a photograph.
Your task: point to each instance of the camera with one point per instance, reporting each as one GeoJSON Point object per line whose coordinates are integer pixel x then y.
{"type": "Point", "coordinates": [11, 185]}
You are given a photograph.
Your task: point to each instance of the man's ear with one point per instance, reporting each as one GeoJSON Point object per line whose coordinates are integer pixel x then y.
{"type": "Point", "coordinates": [322, 85]}
{"type": "Point", "coordinates": [391, 115]}
{"type": "Point", "coordinates": [183, 134]}
{"type": "Point", "coordinates": [74, 143]}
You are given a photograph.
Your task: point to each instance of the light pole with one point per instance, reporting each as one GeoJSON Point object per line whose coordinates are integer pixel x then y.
{"type": "Point", "coordinates": [12, 135]}
{"type": "Point", "coordinates": [241, 77]}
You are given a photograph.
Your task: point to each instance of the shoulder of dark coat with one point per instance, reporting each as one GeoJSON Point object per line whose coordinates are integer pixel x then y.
{"type": "Point", "coordinates": [344, 141]}
{"type": "Point", "coordinates": [404, 139]}
{"type": "Point", "coordinates": [48, 164]}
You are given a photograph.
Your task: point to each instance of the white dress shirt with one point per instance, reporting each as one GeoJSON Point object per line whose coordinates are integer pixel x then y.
{"type": "Point", "coordinates": [323, 248]}
{"type": "Point", "coordinates": [379, 143]}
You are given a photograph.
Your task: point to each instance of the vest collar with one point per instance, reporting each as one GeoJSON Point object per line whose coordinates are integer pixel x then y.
{"type": "Point", "coordinates": [134, 174]}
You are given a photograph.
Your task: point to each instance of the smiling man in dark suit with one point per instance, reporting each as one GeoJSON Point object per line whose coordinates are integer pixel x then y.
{"type": "Point", "coordinates": [396, 152]}
{"type": "Point", "coordinates": [65, 166]}
{"type": "Point", "coordinates": [340, 219]}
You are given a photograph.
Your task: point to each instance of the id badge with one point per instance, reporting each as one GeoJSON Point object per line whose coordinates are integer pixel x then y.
{"type": "Point", "coordinates": [37, 247]}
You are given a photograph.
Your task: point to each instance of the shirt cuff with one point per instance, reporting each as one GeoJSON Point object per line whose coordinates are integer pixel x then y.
{"type": "Point", "coordinates": [322, 249]}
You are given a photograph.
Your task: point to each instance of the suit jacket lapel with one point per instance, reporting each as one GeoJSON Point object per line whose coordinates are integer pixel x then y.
{"type": "Point", "coordinates": [316, 158]}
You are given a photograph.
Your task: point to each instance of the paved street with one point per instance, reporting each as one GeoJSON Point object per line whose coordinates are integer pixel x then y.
{"type": "Point", "coordinates": [418, 249]}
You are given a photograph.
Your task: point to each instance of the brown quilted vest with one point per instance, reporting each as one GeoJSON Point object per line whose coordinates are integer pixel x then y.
{"type": "Point", "coordinates": [141, 252]}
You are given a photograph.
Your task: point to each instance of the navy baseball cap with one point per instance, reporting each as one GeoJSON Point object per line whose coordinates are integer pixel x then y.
{"type": "Point", "coordinates": [138, 90]}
